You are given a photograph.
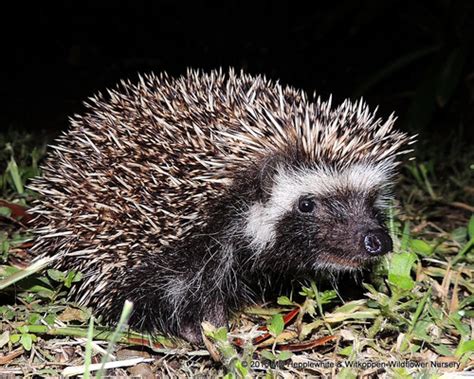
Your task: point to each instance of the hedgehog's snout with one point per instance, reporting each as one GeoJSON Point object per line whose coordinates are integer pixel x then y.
{"type": "Point", "coordinates": [377, 242]}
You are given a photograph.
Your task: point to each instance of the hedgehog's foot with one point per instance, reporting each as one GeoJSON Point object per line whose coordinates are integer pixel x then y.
{"type": "Point", "coordinates": [192, 331]}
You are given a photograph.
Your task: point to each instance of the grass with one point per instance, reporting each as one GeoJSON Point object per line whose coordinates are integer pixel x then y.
{"type": "Point", "coordinates": [412, 317]}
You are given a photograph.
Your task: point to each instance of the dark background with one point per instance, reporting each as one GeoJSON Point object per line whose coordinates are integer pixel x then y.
{"type": "Point", "coordinates": [411, 57]}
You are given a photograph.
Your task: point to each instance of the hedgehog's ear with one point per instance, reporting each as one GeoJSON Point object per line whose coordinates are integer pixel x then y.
{"type": "Point", "coordinates": [268, 168]}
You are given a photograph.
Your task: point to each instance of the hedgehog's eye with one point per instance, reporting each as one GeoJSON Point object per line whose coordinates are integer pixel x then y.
{"type": "Point", "coordinates": [306, 205]}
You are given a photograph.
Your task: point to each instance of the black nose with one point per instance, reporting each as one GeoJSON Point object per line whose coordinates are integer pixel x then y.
{"type": "Point", "coordinates": [377, 242]}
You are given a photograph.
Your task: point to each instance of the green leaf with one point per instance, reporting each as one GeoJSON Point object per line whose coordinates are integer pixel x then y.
{"type": "Point", "coordinates": [72, 277]}
{"type": "Point", "coordinates": [49, 319]}
{"type": "Point", "coordinates": [470, 227]}
{"type": "Point", "coordinates": [459, 235]}
{"type": "Point", "coordinates": [8, 314]}
{"type": "Point", "coordinates": [443, 350]}
{"type": "Point", "coordinates": [347, 351]}
{"type": "Point", "coordinates": [283, 300]}
{"type": "Point", "coordinates": [350, 306]}
{"type": "Point", "coordinates": [465, 347]}
{"type": "Point", "coordinates": [26, 341]}
{"type": "Point", "coordinates": [56, 275]}
{"type": "Point", "coordinates": [68, 279]}
{"type": "Point", "coordinates": [34, 318]}
{"type": "Point", "coordinates": [243, 371]}
{"type": "Point", "coordinates": [77, 277]}
{"type": "Point", "coordinates": [466, 302]}
{"type": "Point", "coordinates": [463, 329]}
{"type": "Point", "coordinates": [220, 334]}
{"type": "Point", "coordinates": [421, 247]}
{"type": "Point", "coordinates": [307, 292]}
{"type": "Point", "coordinates": [5, 246]}
{"type": "Point", "coordinates": [276, 325]}
{"type": "Point", "coordinates": [401, 282]}
{"type": "Point", "coordinates": [14, 338]}
{"type": "Point", "coordinates": [5, 212]}
{"type": "Point", "coordinates": [36, 288]}
{"type": "Point", "coordinates": [23, 329]}
{"type": "Point", "coordinates": [284, 355]}
{"type": "Point", "coordinates": [327, 296]}
{"type": "Point", "coordinates": [420, 330]}
{"type": "Point", "coordinates": [267, 354]}
{"type": "Point", "coordinates": [400, 269]}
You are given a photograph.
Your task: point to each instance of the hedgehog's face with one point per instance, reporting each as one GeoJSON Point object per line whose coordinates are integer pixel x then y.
{"type": "Point", "coordinates": [317, 219]}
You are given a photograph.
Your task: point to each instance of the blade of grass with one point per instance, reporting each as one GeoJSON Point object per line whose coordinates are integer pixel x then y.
{"type": "Point", "coordinates": [463, 251]}
{"type": "Point", "coordinates": [88, 353]}
{"type": "Point", "coordinates": [35, 267]}
{"type": "Point", "coordinates": [15, 175]}
{"type": "Point", "coordinates": [126, 311]}
{"type": "Point", "coordinates": [418, 311]}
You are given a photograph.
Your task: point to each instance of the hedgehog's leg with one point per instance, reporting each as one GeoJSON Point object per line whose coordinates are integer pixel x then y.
{"type": "Point", "coordinates": [215, 313]}
{"type": "Point", "coordinates": [191, 332]}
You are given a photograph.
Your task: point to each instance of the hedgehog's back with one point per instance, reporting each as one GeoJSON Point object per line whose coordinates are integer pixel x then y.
{"type": "Point", "coordinates": [144, 163]}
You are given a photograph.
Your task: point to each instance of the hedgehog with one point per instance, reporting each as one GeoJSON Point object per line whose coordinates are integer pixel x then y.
{"type": "Point", "coordinates": [191, 195]}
